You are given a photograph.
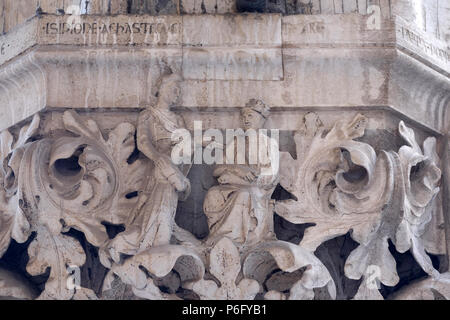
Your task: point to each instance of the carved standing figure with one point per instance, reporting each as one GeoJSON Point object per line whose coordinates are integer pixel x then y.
{"type": "Point", "coordinates": [240, 207]}
{"type": "Point", "coordinates": [153, 220]}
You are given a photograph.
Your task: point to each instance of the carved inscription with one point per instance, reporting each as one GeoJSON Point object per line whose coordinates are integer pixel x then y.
{"type": "Point", "coordinates": [427, 47]}
{"type": "Point", "coordinates": [118, 30]}
{"type": "Point", "coordinates": [313, 27]}
{"type": "Point", "coordinates": [111, 28]}
{"type": "Point", "coordinates": [309, 28]}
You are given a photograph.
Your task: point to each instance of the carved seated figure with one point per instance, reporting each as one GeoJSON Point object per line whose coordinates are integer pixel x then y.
{"type": "Point", "coordinates": [240, 207]}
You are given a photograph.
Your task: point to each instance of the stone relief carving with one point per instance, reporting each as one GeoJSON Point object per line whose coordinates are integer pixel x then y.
{"type": "Point", "coordinates": [345, 186]}
{"type": "Point", "coordinates": [239, 207]}
{"type": "Point", "coordinates": [80, 177]}
{"type": "Point", "coordinates": [152, 221]}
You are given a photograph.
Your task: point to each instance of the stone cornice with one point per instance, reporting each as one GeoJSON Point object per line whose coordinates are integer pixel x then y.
{"type": "Point", "coordinates": [295, 31]}
{"type": "Point", "coordinates": [44, 57]}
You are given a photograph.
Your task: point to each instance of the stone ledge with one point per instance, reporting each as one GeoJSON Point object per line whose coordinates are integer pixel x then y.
{"type": "Point", "coordinates": [297, 31]}
{"type": "Point", "coordinates": [260, 30]}
{"type": "Point", "coordinates": [96, 78]}
{"type": "Point", "coordinates": [325, 64]}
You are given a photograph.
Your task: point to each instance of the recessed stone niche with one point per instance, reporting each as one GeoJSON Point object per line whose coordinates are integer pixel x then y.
{"type": "Point", "coordinates": [350, 101]}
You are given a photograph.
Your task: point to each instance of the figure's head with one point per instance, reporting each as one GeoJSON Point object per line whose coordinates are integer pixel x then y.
{"type": "Point", "coordinates": [170, 89]}
{"type": "Point", "coordinates": [254, 114]}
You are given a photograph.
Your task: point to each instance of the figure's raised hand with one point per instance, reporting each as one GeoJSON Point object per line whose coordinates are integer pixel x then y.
{"type": "Point", "coordinates": [179, 182]}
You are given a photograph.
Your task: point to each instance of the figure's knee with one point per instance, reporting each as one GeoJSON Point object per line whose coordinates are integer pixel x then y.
{"type": "Point", "coordinates": [214, 200]}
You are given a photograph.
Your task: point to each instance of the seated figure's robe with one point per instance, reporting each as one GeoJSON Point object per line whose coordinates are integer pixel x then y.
{"type": "Point", "coordinates": [239, 209]}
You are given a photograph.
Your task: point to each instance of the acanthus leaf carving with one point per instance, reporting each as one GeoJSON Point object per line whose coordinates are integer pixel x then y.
{"type": "Point", "coordinates": [13, 221]}
{"type": "Point", "coordinates": [225, 266]}
{"type": "Point", "coordinates": [143, 270]}
{"type": "Point", "coordinates": [97, 191]}
{"type": "Point", "coordinates": [421, 183]}
{"type": "Point", "coordinates": [289, 258]}
{"type": "Point", "coordinates": [64, 182]}
{"type": "Point", "coordinates": [334, 181]}
{"type": "Point", "coordinates": [57, 252]}
{"type": "Point", "coordinates": [344, 186]}
{"type": "Point", "coordinates": [79, 179]}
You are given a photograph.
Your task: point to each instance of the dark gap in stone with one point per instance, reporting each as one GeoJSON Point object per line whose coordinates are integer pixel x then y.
{"type": "Point", "coordinates": [164, 289]}
{"type": "Point", "coordinates": [251, 6]}
{"type": "Point", "coordinates": [9, 179]}
{"type": "Point", "coordinates": [69, 166]}
{"type": "Point", "coordinates": [63, 223]}
{"type": "Point", "coordinates": [259, 296]}
{"type": "Point", "coordinates": [187, 294]}
{"type": "Point", "coordinates": [170, 283]}
{"type": "Point", "coordinates": [16, 259]}
{"type": "Point", "coordinates": [124, 257]}
{"type": "Point", "coordinates": [276, 6]}
{"type": "Point", "coordinates": [37, 136]}
{"type": "Point", "coordinates": [381, 139]}
{"type": "Point", "coordinates": [93, 272]}
{"type": "Point", "coordinates": [135, 154]}
{"type": "Point", "coordinates": [437, 295]}
{"type": "Point", "coordinates": [129, 5]}
{"type": "Point", "coordinates": [287, 231]}
{"type": "Point", "coordinates": [414, 174]}
{"type": "Point", "coordinates": [132, 195]}
{"type": "Point", "coordinates": [264, 284]}
{"type": "Point", "coordinates": [408, 270]}
{"type": "Point", "coordinates": [355, 173]}
{"type": "Point", "coordinates": [203, 7]}
{"type": "Point", "coordinates": [144, 270]}
{"type": "Point", "coordinates": [281, 193]}
{"type": "Point", "coordinates": [113, 229]}
{"type": "Point", "coordinates": [196, 224]}
{"type": "Point", "coordinates": [333, 254]}
{"type": "Point", "coordinates": [190, 215]}
{"type": "Point", "coordinates": [281, 281]}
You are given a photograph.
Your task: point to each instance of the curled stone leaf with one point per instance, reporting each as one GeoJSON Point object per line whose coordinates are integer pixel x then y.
{"type": "Point", "coordinates": [12, 286]}
{"type": "Point", "coordinates": [142, 270]}
{"type": "Point", "coordinates": [57, 252]}
{"type": "Point", "coordinates": [289, 258]}
{"type": "Point", "coordinates": [13, 221]}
